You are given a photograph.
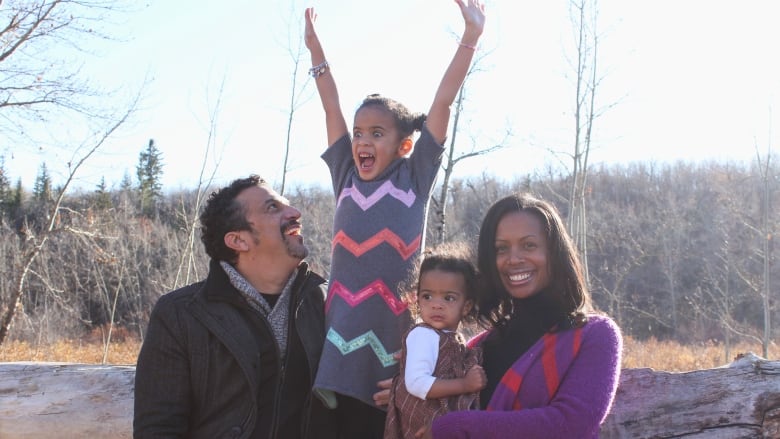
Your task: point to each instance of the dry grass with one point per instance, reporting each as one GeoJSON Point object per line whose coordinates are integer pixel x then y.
{"type": "Point", "coordinates": [674, 357]}
{"type": "Point", "coordinates": [71, 351]}
{"type": "Point", "coordinates": [659, 355]}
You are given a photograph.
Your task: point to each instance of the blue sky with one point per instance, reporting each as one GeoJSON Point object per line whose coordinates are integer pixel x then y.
{"type": "Point", "coordinates": [689, 80]}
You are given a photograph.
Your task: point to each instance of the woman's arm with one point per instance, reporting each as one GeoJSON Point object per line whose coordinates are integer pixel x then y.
{"type": "Point", "coordinates": [577, 410]}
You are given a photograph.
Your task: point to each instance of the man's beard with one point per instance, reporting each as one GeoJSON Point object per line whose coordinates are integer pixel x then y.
{"type": "Point", "coordinates": [296, 249]}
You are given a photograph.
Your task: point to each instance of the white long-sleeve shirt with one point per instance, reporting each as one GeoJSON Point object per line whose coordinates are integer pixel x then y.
{"type": "Point", "coordinates": [422, 353]}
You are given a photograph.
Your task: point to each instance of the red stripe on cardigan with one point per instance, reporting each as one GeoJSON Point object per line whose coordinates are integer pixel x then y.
{"type": "Point", "coordinates": [513, 380]}
{"type": "Point", "coordinates": [549, 365]}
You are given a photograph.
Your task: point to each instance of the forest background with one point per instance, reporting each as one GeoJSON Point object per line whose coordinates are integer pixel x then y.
{"type": "Point", "coordinates": [678, 253]}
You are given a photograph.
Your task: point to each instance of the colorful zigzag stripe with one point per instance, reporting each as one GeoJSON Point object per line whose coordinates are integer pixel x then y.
{"type": "Point", "coordinates": [375, 288]}
{"type": "Point", "coordinates": [384, 235]}
{"type": "Point", "coordinates": [387, 188]}
{"type": "Point", "coordinates": [367, 339]}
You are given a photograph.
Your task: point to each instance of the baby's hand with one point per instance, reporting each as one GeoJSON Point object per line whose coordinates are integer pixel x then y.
{"type": "Point", "coordinates": [475, 379]}
{"type": "Point", "coordinates": [474, 16]}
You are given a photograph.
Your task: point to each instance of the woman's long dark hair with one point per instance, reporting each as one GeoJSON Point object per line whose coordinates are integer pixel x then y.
{"type": "Point", "coordinates": [567, 289]}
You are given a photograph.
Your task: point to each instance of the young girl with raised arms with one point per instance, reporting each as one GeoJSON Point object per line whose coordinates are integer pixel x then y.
{"type": "Point", "coordinates": [382, 187]}
{"type": "Point", "coordinates": [438, 373]}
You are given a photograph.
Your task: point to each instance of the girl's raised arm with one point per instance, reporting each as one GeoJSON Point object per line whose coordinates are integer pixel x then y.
{"type": "Point", "coordinates": [326, 85]}
{"type": "Point", "coordinates": [439, 115]}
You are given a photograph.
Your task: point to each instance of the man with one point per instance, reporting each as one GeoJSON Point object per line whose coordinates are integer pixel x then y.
{"type": "Point", "coordinates": [236, 354]}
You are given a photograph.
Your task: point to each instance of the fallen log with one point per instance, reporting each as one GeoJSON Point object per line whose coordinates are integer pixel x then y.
{"type": "Point", "coordinates": [46, 400]}
{"type": "Point", "coordinates": [741, 400]}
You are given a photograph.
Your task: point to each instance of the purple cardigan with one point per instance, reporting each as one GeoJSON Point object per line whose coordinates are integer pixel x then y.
{"type": "Point", "coordinates": [562, 387]}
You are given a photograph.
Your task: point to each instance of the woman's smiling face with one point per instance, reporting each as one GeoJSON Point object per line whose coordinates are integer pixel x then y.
{"type": "Point", "coordinates": [522, 254]}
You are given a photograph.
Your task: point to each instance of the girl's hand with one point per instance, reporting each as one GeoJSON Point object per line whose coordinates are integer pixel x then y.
{"type": "Point", "coordinates": [310, 35]}
{"type": "Point", "coordinates": [474, 16]}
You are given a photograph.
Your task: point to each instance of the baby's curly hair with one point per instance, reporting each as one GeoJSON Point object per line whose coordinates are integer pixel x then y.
{"type": "Point", "coordinates": [451, 257]}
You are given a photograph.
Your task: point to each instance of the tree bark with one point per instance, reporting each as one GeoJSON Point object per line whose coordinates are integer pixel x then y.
{"type": "Point", "coordinates": [738, 401]}
{"type": "Point", "coordinates": [741, 400]}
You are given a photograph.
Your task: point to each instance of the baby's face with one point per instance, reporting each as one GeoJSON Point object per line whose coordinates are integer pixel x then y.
{"type": "Point", "coordinates": [441, 299]}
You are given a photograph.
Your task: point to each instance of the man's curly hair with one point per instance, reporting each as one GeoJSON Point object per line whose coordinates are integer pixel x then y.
{"type": "Point", "coordinates": [223, 214]}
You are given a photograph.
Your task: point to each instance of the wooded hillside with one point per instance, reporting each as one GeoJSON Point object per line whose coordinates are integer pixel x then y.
{"type": "Point", "coordinates": [674, 251]}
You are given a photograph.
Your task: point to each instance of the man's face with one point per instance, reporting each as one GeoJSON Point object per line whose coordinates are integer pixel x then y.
{"type": "Point", "coordinates": [276, 230]}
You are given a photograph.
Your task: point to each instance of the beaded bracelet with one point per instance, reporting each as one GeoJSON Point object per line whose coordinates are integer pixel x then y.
{"type": "Point", "coordinates": [319, 69]}
{"type": "Point", "coordinates": [467, 46]}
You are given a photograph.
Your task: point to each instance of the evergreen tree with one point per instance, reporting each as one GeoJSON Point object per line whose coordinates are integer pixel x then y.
{"type": "Point", "coordinates": [126, 185]}
{"type": "Point", "coordinates": [102, 196]}
{"type": "Point", "coordinates": [5, 189]}
{"type": "Point", "coordinates": [127, 193]}
{"type": "Point", "coordinates": [149, 172]}
{"type": "Point", "coordinates": [13, 204]}
{"type": "Point", "coordinates": [42, 190]}
{"type": "Point", "coordinates": [17, 198]}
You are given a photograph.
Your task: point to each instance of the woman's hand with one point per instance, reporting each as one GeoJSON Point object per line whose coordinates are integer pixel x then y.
{"type": "Point", "coordinates": [382, 397]}
{"type": "Point", "coordinates": [424, 433]}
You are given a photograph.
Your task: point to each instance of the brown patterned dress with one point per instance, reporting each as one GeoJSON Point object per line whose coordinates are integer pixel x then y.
{"type": "Point", "coordinates": [407, 413]}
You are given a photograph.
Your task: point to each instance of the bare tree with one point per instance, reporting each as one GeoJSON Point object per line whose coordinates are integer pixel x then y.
{"type": "Point", "coordinates": [39, 80]}
{"type": "Point", "coordinates": [584, 16]}
{"type": "Point", "coordinates": [296, 51]}
{"type": "Point", "coordinates": [187, 268]}
{"type": "Point", "coordinates": [35, 242]}
{"type": "Point", "coordinates": [454, 155]}
{"type": "Point", "coordinates": [767, 178]}
{"type": "Point", "coordinates": [717, 300]}
{"type": "Point", "coordinates": [40, 83]}
{"type": "Point", "coordinates": [618, 250]}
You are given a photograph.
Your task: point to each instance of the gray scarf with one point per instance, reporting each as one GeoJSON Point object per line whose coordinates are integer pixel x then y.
{"type": "Point", "coordinates": [278, 316]}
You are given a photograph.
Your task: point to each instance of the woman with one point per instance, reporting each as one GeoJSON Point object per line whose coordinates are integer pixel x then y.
{"type": "Point", "coordinates": [552, 362]}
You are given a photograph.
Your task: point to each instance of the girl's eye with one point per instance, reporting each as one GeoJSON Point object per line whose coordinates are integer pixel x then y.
{"type": "Point", "coordinates": [425, 296]}
{"type": "Point", "coordinates": [530, 245]}
{"type": "Point", "coordinates": [377, 134]}
{"type": "Point", "coordinates": [356, 135]}
{"type": "Point", "coordinates": [501, 249]}
{"type": "Point", "coordinates": [450, 298]}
